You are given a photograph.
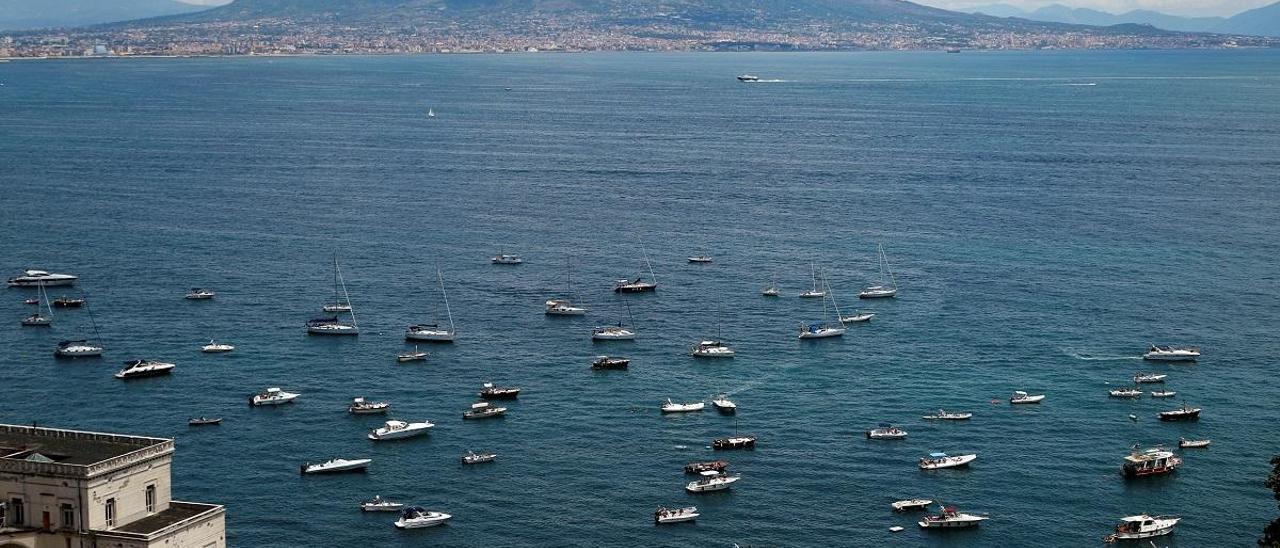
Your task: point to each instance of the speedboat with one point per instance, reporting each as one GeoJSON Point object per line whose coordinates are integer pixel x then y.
{"type": "Point", "coordinates": [711, 481]}
{"type": "Point", "coordinates": [675, 515]}
{"type": "Point", "coordinates": [877, 292]}
{"type": "Point", "coordinates": [417, 517]}
{"type": "Point", "coordinates": [886, 432]}
{"type": "Point", "coordinates": [77, 349]}
{"type": "Point", "coordinates": [1126, 392]}
{"type": "Point", "coordinates": [415, 356]}
{"type": "Point", "coordinates": [392, 430]}
{"type": "Point", "coordinates": [1184, 413]}
{"type": "Point", "coordinates": [137, 369]}
{"type": "Point", "coordinates": [1020, 397]}
{"type": "Point", "coordinates": [68, 302]}
{"type": "Point", "coordinates": [821, 331]}
{"type": "Point", "coordinates": [704, 466]}
{"type": "Point", "coordinates": [1150, 462]}
{"type": "Point", "coordinates": [606, 362]}
{"type": "Point", "coordinates": [712, 349]}
{"type": "Point", "coordinates": [33, 278]}
{"type": "Point", "coordinates": [612, 333]}
{"type": "Point", "coordinates": [860, 317]}
{"type": "Point", "coordinates": [1172, 353]}
{"type": "Point", "coordinates": [379, 504]}
{"type": "Point", "coordinates": [37, 320]}
{"type": "Point", "coordinates": [503, 258]}
{"type": "Point", "coordinates": [473, 457]}
{"type": "Point", "coordinates": [361, 406]}
{"type": "Point", "coordinates": [724, 405]}
{"type": "Point", "coordinates": [736, 442]}
{"type": "Point", "coordinates": [1163, 394]}
{"type": "Point", "coordinates": [1192, 444]}
{"type": "Point", "coordinates": [911, 504]}
{"type": "Point", "coordinates": [333, 466]}
{"type": "Point", "coordinates": [482, 410]}
{"type": "Point", "coordinates": [673, 407]}
{"type": "Point", "coordinates": [491, 392]}
{"type": "Point", "coordinates": [748, 78]}
{"type": "Point", "coordinates": [634, 286]}
{"type": "Point", "coordinates": [942, 415]}
{"type": "Point", "coordinates": [204, 421]}
{"type": "Point", "coordinates": [950, 517]}
{"type": "Point", "coordinates": [429, 332]}
{"type": "Point", "coordinates": [331, 326]}
{"type": "Point", "coordinates": [273, 396]}
{"type": "Point", "coordinates": [213, 347]}
{"type": "Point", "coordinates": [938, 461]}
{"type": "Point", "coordinates": [700, 259]}
{"type": "Point", "coordinates": [1143, 526]}
{"type": "Point", "coordinates": [199, 294]}
{"type": "Point", "coordinates": [562, 307]}
{"type": "Point", "coordinates": [1142, 378]}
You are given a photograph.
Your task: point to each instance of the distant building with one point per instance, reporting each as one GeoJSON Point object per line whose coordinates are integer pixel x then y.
{"type": "Point", "coordinates": [74, 489]}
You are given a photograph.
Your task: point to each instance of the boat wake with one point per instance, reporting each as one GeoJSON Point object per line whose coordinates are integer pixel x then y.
{"type": "Point", "coordinates": [1092, 358]}
{"type": "Point", "coordinates": [1081, 84]}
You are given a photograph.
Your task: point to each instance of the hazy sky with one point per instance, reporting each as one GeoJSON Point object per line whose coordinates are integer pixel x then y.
{"type": "Point", "coordinates": [1175, 7]}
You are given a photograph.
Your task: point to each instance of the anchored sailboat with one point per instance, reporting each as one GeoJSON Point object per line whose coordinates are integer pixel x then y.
{"type": "Point", "coordinates": [825, 329]}
{"type": "Point", "coordinates": [615, 332]}
{"type": "Point", "coordinates": [434, 331]}
{"type": "Point", "coordinates": [816, 292]}
{"type": "Point", "coordinates": [881, 291]}
{"type": "Point", "coordinates": [565, 307]}
{"type": "Point", "coordinates": [38, 319]}
{"type": "Point", "coordinates": [81, 348]}
{"type": "Point", "coordinates": [639, 285]}
{"type": "Point", "coordinates": [332, 325]}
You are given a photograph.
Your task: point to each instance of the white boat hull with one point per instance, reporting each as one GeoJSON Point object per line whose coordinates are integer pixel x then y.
{"type": "Point", "coordinates": [424, 522]}
{"type": "Point", "coordinates": [966, 521]}
{"type": "Point", "coordinates": [79, 352]}
{"type": "Point", "coordinates": [823, 333]}
{"type": "Point", "coordinates": [333, 329]}
{"type": "Point", "coordinates": [949, 462]}
{"type": "Point", "coordinates": [719, 485]}
{"type": "Point", "coordinates": [437, 336]}
{"type": "Point", "coordinates": [410, 432]}
{"type": "Point", "coordinates": [336, 467]}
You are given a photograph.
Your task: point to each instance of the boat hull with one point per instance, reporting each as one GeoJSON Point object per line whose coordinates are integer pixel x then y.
{"type": "Point", "coordinates": [332, 331]}
{"type": "Point", "coordinates": [398, 434]}
{"type": "Point", "coordinates": [158, 372]}
{"type": "Point", "coordinates": [429, 336]}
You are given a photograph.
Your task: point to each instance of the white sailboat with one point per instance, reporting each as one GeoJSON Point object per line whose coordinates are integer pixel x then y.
{"type": "Point", "coordinates": [814, 293]}
{"type": "Point", "coordinates": [434, 332]}
{"type": "Point", "coordinates": [332, 325]}
{"type": "Point", "coordinates": [565, 307]}
{"type": "Point", "coordinates": [81, 348]}
{"type": "Point", "coordinates": [826, 329]}
{"type": "Point", "coordinates": [38, 319]}
{"type": "Point", "coordinates": [615, 332]}
{"type": "Point", "coordinates": [771, 290]}
{"type": "Point", "coordinates": [881, 291]}
{"type": "Point", "coordinates": [339, 288]}
{"type": "Point", "coordinates": [431, 113]}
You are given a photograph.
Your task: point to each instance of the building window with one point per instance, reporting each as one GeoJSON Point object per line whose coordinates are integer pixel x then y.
{"type": "Point", "coordinates": [111, 512]}
{"type": "Point", "coordinates": [17, 516]}
{"type": "Point", "coordinates": [68, 516]}
{"type": "Point", "coordinates": [151, 499]}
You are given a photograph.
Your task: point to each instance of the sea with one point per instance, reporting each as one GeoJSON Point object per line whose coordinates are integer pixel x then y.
{"type": "Point", "coordinates": [1045, 215]}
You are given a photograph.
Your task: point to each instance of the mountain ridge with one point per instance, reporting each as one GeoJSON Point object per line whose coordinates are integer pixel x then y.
{"type": "Point", "coordinates": [1262, 21]}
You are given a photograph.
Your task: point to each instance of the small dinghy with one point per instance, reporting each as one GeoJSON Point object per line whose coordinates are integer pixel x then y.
{"type": "Point", "coordinates": [705, 466]}
{"type": "Point", "coordinates": [417, 517]}
{"type": "Point", "coordinates": [1193, 444]}
{"type": "Point", "coordinates": [361, 406]}
{"type": "Point", "coordinates": [938, 461]}
{"type": "Point", "coordinates": [886, 431]}
{"type": "Point", "coordinates": [333, 466]}
{"type": "Point", "coordinates": [482, 410]}
{"type": "Point", "coordinates": [1184, 413]}
{"type": "Point", "coordinates": [673, 407]}
{"type": "Point", "coordinates": [896, 529]}
{"type": "Point", "coordinates": [675, 515]}
{"type": "Point", "coordinates": [415, 356]}
{"type": "Point", "coordinates": [379, 504]}
{"type": "Point", "coordinates": [204, 421]}
{"type": "Point", "coordinates": [1145, 378]}
{"type": "Point", "coordinates": [911, 504]}
{"type": "Point", "coordinates": [491, 392]}
{"type": "Point", "coordinates": [736, 442]}
{"type": "Point", "coordinates": [1163, 394]}
{"type": "Point", "coordinates": [476, 458]}
{"type": "Point", "coordinates": [724, 405]}
{"type": "Point", "coordinates": [1020, 397]}
{"type": "Point", "coordinates": [711, 481]}
{"type": "Point", "coordinates": [606, 362]}
{"type": "Point", "coordinates": [943, 415]}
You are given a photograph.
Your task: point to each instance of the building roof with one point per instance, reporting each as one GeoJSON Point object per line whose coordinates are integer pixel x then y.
{"type": "Point", "coordinates": [68, 447]}
{"type": "Point", "coordinates": [177, 512]}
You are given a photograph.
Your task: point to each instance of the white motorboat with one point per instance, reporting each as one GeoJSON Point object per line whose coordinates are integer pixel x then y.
{"type": "Point", "coordinates": [943, 415]}
{"type": "Point", "coordinates": [1143, 526]}
{"type": "Point", "coordinates": [503, 258]}
{"type": "Point", "coordinates": [711, 480]}
{"type": "Point", "coordinates": [1125, 392]}
{"type": "Point", "coordinates": [1163, 394]}
{"type": "Point", "coordinates": [748, 78]}
{"type": "Point", "coordinates": [361, 406]}
{"type": "Point", "coordinates": [273, 396]}
{"type": "Point", "coordinates": [393, 430]}
{"type": "Point", "coordinates": [938, 461]}
{"type": "Point", "coordinates": [434, 332]}
{"type": "Point", "coordinates": [911, 504]}
{"type": "Point", "coordinates": [860, 317]}
{"type": "Point", "coordinates": [415, 356]}
{"type": "Point", "coordinates": [701, 259]}
{"type": "Point", "coordinates": [199, 294]}
{"type": "Point", "coordinates": [882, 290]}
{"type": "Point", "coordinates": [137, 369]}
{"type": "Point", "coordinates": [949, 518]}
{"type": "Point", "coordinates": [77, 349]}
{"type": "Point", "coordinates": [1192, 444]}
{"type": "Point", "coordinates": [1155, 461]}
{"type": "Point", "coordinates": [483, 410]}
{"type": "Point", "coordinates": [34, 278]}
{"type": "Point", "coordinates": [563, 307]}
{"type": "Point", "coordinates": [712, 349]}
{"type": "Point", "coordinates": [379, 504]}
{"type": "Point", "coordinates": [612, 333]}
{"type": "Point", "coordinates": [1146, 378]}
{"type": "Point", "coordinates": [638, 285]}
{"type": "Point", "coordinates": [473, 457]}
{"type": "Point", "coordinates": [723, 404]}
{"type": "Point", "coordinates": [1021, 397]}
{"type": "Point", "coordinates": [333, 466]}
{"type": "Point", "coordinates": [886, 432]}
{"type": "Point", "coordinates": [417, 517]}
{"type": "Point", "coordinates": [673, 407]}
{"type": "Point", "coordinates": [1172, 353]}
{"type": "Point", "coordinates": [675, 515]}
{"type": "Point", "coordinates": [215, 347]}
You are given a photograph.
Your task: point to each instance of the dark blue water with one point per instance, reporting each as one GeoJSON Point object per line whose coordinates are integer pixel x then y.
{"type": "Point", "coordinates": [1042, 233]}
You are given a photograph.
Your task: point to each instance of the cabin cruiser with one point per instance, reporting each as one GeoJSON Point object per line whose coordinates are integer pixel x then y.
{"type": "Point", "coordinates": [68, 302]}
{"type": "Point", "coordinates": [1163, 394]}
{"type": "Point", "coordinates": [504, 258]}
{"type": "Point", "coordinates": [724, 405]}
{"type": "Point", "coordinates": [1172, 353]}
{"type": "Point", "coordinates": [361, 406]}
{"type": "Point", "coordinates": [199, 294]}
{"type": "Point", "coordinates": [675, 515]}
{"type": "Point", "coordinates": [428, 332]}
{"type": "Point", "coordinates": [606, 362]}
{"type": "Point", "coordinates": [712, 349]}
{"type": "Point", "coordinates": [491, 392]}
{"type": "Point", "coordinates": [748, 78]}
{"type": "Point", "coordinates": [860, 317]}
{"type": "Point", "coordinates": [482, 410]}
{"type": "Point", "coordinates": [1150, 462]}
{"type": "Point", "coordinates": [37, 320]}
{"type": "Point", "coordinates": [736, 442]}
{"type": "Point", "coordinates": [711, 480]}
{"type": "Point", "coordinates": [393, 429]}
{"type": "Point", "coordinates": [612, 333]}
{"type": "Point", "coordinates": [204, 421]}
{"type": "Point", "coordinates": [562, 307]}
{"type": "Point", "coordinates": [1020, 397]}
{"type": "Point", "coordinates": [634, 286]}
{"type": "Point", "coordinates": [415, 356]}
{"type": "Point", "coordinates": [136, 369]}
{"type": "Point", "coordinates": [821, 331]}
{"type": "Point", "coordinates": [1143, 378]}
{"type": "Point", "coordinates": [331, 326]}
{"type": "Point", "coordinates": [938, 461]}
{"type": "Point", "coordinates": [1184, 413]}
{"type": "Point", "coordinates": [704, 466]}
{"type": "Point", "coordinates": [1143, 526]}
{"type": "Point", "coordinates": [950, 517]}
{"type": "Point", "coordinates": [700, 259]}
{"type": "Point", "coordinates": [417, 517]}
{"type": "Point", "coordinates": [473, 457]}
{"type": "Point", "coordinates": [214, 348]}
{"type": "Point", "coordinates": [911, 504]}
{"type": "Point", "coordinates": [77, 349]}
{"type": "Point", "coordinates": [673, 407]}
{"type": "Point", "coordinates": [33, 278]}
{"type": "Point", "coordinates": [1126, 392]}
{"type": "Point", "coordinates": [333, 466]}
{"type": "Point", "coordinates": [943, 415]}
{"type": "Point", "coordinates": [1193, 444]}
{"type": "Point", "coordinates": [379, 504]}
{"type": "Point", "coordinates": [886, 432]}
{"type": "Point", "coordinates": [272, 396]}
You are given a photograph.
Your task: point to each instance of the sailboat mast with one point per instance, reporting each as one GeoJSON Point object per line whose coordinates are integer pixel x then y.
{"type": "Point", "coordinates": [813, 271]}
{"type": "Point", "coordinates": [89, 310]}
{"type": "Point", "coordinates": [44, 297]}
{"type": "Point", "coordinates": [884, 260]}
{"type": "Point", "coordinates": [831, 294]}
{"type": "Point", "coordinates": [346, 296]}
{"type": "Point", "coordinates": [445, 295]}
{"type": "Point", "coordinates": [650, 265]}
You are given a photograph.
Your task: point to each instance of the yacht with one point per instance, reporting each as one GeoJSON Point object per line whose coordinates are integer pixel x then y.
{"type": "Point", "coordinates": [434, 332]}
{"type": "Point", "coordinates": [860, 317]}
{"type": "Point", "coordinates": [639, 285]}
{"type": "Point", "coordinates": [482, 410]}
{"type": "Point", "coordinates": [675, 515]}
{"type": "Point", "coordinates": [711, 481]}
{"type": "Point", "coordinates": [880, 290]}
{"type": "Point", "coordinates": [911, 504]}
{"type": "Point", "coordinates": [735, 442]}
{"type": "Point", "coordinates": [712, 349]}
{"type": "Point", "coordinates": [612, 333]}
{"type": "Point", "coordinates": [199, 294]}
{"type": "Point", "coordinates": [204, 421]}
{"type": "Point", "coordinates": [607, 362]}
{"type": "Point", "coordinates": [393, 429]}
{"type": "Point", "coordinates": [68, 302]}
{"type": "Point", "coordinates": [702, 259]}
{"type": "Point", "coordinates": [673, 407]}
{"type": "Point", "coordinates": [331, 326]}
{"type": "Point", "coordinates": [770, 291]}
{"type": "Point", "coordinates": [886, 432]}
{"type": "Point", "coordinates": [136, 369]}
{"type": "Point", "coordinates": [950, 518]}
{"type": "Point", "coordinates": [1149, 378]}
{"type": "Point", "coordinates": [1184, 413]}
{"type": "Point", "coordinates": [938, 461]}
{"type": "Point", "coordinates": [33, 278]}
{"type": "Point", "coordinates": [491, 392]}
{"type": "Point", "coordinates": [1020, 397]}
{"type": "Point", "coordinates": [77, 349]}
{"type": "Point", "coordinates": [1143, 526]}
{"type": "Point", "coordinates": [1125, 392]}
{"type": "Point", "coordinates": [1172, 353]}
{"type": "Point", "coordinates": [473, 457]}
{"type": "Point", "coordinates": [700, 467]}
{"type": "Point", "coordinates": [415, 356]}
{"type": "Point", "coordinates": [814, 293]}
{"type": "Point", "coordinates": [748, 78]}
{"type": "Point", "coordinates": [563, 307]}
{"type": "Point", "coordinates": [333, 466]}
{"type": "Point", "coordinates": [724, 405]}
{"type": "Point", "coordinates": [943, 415]}
{"type": "Point", "coordinates": [214, 347]}
{"type": "Point", "coordinates": [273, 396]}
{"type": "Point", "coordinates": [379, 504]}
{"type": "Point", "coordinates": [417, 517]}
{"type": "Point", "coordinates": [361, 406]}
{"type": "Point", "coordinates": [1150, 462]}
{"type": "Point", "coordinates": [503, 258]}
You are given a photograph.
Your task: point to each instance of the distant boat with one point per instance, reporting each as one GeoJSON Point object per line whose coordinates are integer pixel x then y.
{"type": "Point", "coordinates": [379, 504]}
{"type": "Point", "coordinates": [938, 461]}
{"type": "Point", "coordinates": [911, 504]}
{"type": "Point", "coordinates": [607, 362]}
{"type": "Point", "coordinates": [77, 349]}
{"type": "Point", "coordinates": [615, 332]}
{"type": "Point", "coordinates": [491, 392]}
{"type": "Point", "coordinates": [483, 410]}
{"type": "Point", "coordinates": [1143, 526]}
{"type": "Point", "coordinates": [33, 278]}
{"type": "Point", "coordinates": [771, 290]}
{"type": "Point", "coordinates": [880, 290]}
{"type": "Point", "coordinates": [503, 258]}
{"type": "Point", "coordinates": [332, 325]}
{"type": "Point", "coordinates": [417, 517]}
{"type": "Point", "coordinates": [724, 405]}
{"type": "Point", "coordinates": [68, 302]}
{"type": "Point", "coordinates": [38, 319]}
{"type": "Point", "coordinates": [673, 407]}
{"type": "Point", "coordinates": [734, 442]}
{"type": "Point", "coordinates": [1148, 378]}
{"type": "Point", "coordinates": [711, 481]}
{"type": "Point", "coordinates": [215, 347]}
{"type": "Point", "coordinates": [473, 457]}
{"type": "Point", "coordinates": [415, 356]}
{"type": "Point", "coordinates": [700, 259]}
{"type": "Point", "coordinates": [712, 349]}
{"type": "Point", "coordinates": [639, 285]}
{"type": "Point", "coordinates": [748, 78]}
{"type": "Point", "coordinates": [814, 293]}
{"type": "Point", "coordinates": [1021, 397]}
{"type": "Point", "coordinates": [1172, 353]}
{"type": "Point", "coordinates": [431, 113]}
{"type": "Point", "coordinates": [675, 515]}
{"type": "Point", "coordinates": [394, 429]}
{"type": "Point", "coordinates": [137, 369]}
{"type": "Point", "coordinates": [824, 329]}
{"type": "Point", "coordinates": [886, 432]}
{"type": "Point", "coordinates": [564, 307]}
{"type": "Point", "coordinates": [204, 421]}
{"type": "Point", "coordinates": [1184, 413]}
{"type": "Point", "coordinates": [199, 294]}
{"type": "Point", "coordinates": [341, 300]}
{"type": "Point", "coordinates": [333, 466]}
{"type": "Point", "coordinates": [948, 416]}
{"type": "Point", "coordinates": [1155, 461]}
{"type": "Point", "coordinates": [361, 406]}
{"type": "Point", "coordinates": [272, 396]}
{"type": "Point", "coordinates": [950, 518]}
{"type": "Point", "coordinates": [1186, 443]}
{"type": "Point", "coordinates": [434, 332]}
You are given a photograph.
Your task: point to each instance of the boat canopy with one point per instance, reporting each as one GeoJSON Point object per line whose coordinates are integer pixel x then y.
{"type": "Point", "coordinates": [65, 344]}
{"type": "Point", "coordinates": [938, 455]}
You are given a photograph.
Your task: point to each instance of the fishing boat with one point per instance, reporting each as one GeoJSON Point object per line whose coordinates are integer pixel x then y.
{"type": "Point", "coordinates": [1143, 526]}
{"type": "Point", "coordinates": [949, 517]}
{"type": "Point", "coordinates": [639, 285]}
{"type": "Point", "coordinates": [334, 466]}
{"type": "Point", "coordinates": [700, 467]}
{"type": "Point", "coordinates": [204, 421]}
{"type": "Point", "coordinates": [272, 396]}
{"type": "Point", "coordinates": [1147, 378]}
{"type": "Point", "coordinates": [137, 369]}
{"type": "Point", "coordinates": [361, 406]}
{"type": "Point", "coordinates": [68, 302]}
{"type": "Point", "coordinates": [482, 410]}
{"type": "Point", "coordinates": [38, 319]}
{"type": "Point", "coordinates": [1125, 392]}
{"type": "Point", "coordinates": [886, 431]}
{"type": "Point", "coordinates": [711, 481]}
{"type": "Point", "coordinates": [1154, 461]}
{"type": "Point", "coordinates": [911, 504]}
{"type": "Point", "coordinates": [1192, 444]}
{"type": "Point", "coordinates": [564, 307]}
{"type": "Point", "coordinates": [415, 356]}
{"type": "Point", "coordinates": [666, 515]}
{"type": "Point", "coordinates": [607, 362]}
{"type": "Point", "coordinates": [199, 294]}
{"type": "Point", "coordinates": [816, 292]}
{"type": "Point", "coordinates": [724, 405]}
{"type": "Point", "coordinates": [503, 258]}
{"type": "Point", "coordinates": [34, 278]}
{"type": "Point", "coordinates": [1172, 353]}
{"type": "Point", "coordinates": [1184, 413]}
{"type": "Point", "coordinates": [77, 349]}
{"type": "Point", "coordinates": [1163, 394]}
{"type": "Point", "coordinates": [1021, 397]}
{"type": "Point", "coordinates": [215, 347]}
{"type": "Point", "coordinates": [673, 407]}
{"type": "Point", "coordinates": [938, 461]}
{"type": "Point", "coordinates": [394, 430]}
{"type": "Point", "coordinates": [417, 517]}
{"type": "Point", "coordinates": [379, 504]}
{"type": "Point", "coordinates": [943, 415]}
{"type": "Point", "coordinates": [490, 392]}
{"type": "Point", "coordinates": [880, 290]}
{"type": "Point", "coordinates": [434, 332]}
{"type": "Point", "coordinates": [859, 317]}
{"type": "Point", "coordinates": [735, 442]}
{"type": "Point", "coordinates": [473, 457]}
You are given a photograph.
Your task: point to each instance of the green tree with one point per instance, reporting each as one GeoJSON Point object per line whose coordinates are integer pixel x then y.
{"type": "Point", "coordinates": [1271, 535]}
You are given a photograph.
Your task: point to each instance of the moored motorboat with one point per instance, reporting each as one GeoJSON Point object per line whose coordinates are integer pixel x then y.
{"type": "Point", "coordinates": [938, 461]}
{"type": "Point", "coordinates": [1172, 353]}
{"type": "Point", "coordinates": [199, 294]}
{"type": "Point", "coordinates": [734, 442]}
{"type": "Point", "coordinates": [1021, 397]}
{"type": "Point", "coordinates": [215, 347]}
{"type": "Point", "coordinates": [77, 349]}
{"type": "Point", "coordinates": [949, 517]}
{"type": "Point", "coordinates": [607, 362]}
{"type": "Point", "coordinates": [886, 432]}
{"type": "Point", "coordinates": [1184, 413]}
{"type": "Point", "coordinates": [477, 458]}
{"type": "Point", "coordinates": [393, 429]}
{"type": "Point", "coordinates": [417, 517]}
{"type": "Point", "coordinates": [504, 258]}
{"type": "Point", "coordinates": [272, 396]}
{"type": "Point", "coordinates": [204, 421]}
{"type": "Point", "coordinates": [943, 415]}
{"type": "Point", "coordinates": [333, 466]}
{"type": "Point", "coordinates": [1143, 526]}
{"type": "Point", "coordinates": [361, 406]}
{"type": "Point", "coordinates": [1125, 392]}
{"type": "Point", "coordinates": [379, 504]}
{"type": "Point", "coordinates": [1154, 461]}
{"type": "Point", "coordinates": [860, 317]}
{"type": "Point", "coordinates": [911, 504]}
{"type": "Point", "coordinates": [711, 480]}
{"type": "Point", "coordinates": [491, 392]}
{"type": "Point", "coordinates": [704, 466]}
{"type": "Point", "coordinates": [482, 410]}
{"type": "Point", "coordinates": [415, 356]}
{"type": "Point", "coordinates": [612, 333]}
{"type": "Point", "coordinates": [33, 278]}
{"type": "Point", "coordinates": [137, 369]}
{"type": "Point", "coordinates": [673, 407]}
{"type": "Point", "coordinates": [724, 405]}
{"type": "Point", "coordinates": [675, 515]}
{"type": "Point", "coordinates": [1146, 378]}
{"type": "Point", "coordinates": [712, 349]}
{"type": "Point", "coordinates": [1163, 394]}
{"type": "Point", "coordinates": [67, 302]}
{"type": "Point", "coordinates": [1192, 444]}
